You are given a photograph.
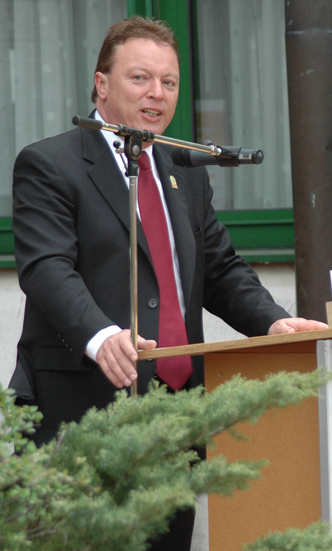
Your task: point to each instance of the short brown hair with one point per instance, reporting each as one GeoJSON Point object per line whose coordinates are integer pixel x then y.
{"type": "Point", "coordinates": [133, 27]}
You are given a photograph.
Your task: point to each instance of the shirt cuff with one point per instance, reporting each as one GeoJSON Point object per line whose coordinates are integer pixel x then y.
{"type": "Point", "coordinates": [95, 343]}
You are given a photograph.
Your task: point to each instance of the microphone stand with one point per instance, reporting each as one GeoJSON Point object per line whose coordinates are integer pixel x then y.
{"type": "Point", "coordinates": [147, 135]}
{"type": "Point", "coordinates": [134, 139]}
{"type": "Point", "coordinates": [133, 150]}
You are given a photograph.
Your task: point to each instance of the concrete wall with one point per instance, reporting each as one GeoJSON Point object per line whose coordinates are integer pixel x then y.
{"type": "Point", "coordinates": [279, 279]}
{"type": "Point", "coordinates": [12, 302]}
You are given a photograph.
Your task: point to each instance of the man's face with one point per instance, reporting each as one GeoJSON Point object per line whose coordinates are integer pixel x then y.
{"type": "Point", "coordinates": [141, 91]}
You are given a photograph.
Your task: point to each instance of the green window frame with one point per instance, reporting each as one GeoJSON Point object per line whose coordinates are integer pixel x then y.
{"type": "Point", "coordinates": [7, 259]}
{"type": "Point", "coordinates": [258, 235]}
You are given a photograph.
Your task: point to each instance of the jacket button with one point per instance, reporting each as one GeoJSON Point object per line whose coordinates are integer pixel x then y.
{"type": "Point", "coordinates": [153, 303]}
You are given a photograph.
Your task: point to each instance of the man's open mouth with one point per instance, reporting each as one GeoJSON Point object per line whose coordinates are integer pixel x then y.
{"type": "Point", "coordinates": [151, 112]}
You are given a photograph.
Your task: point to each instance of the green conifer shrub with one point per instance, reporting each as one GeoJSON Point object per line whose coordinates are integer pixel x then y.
{"type": "Point", "coordinates": [114, 480]}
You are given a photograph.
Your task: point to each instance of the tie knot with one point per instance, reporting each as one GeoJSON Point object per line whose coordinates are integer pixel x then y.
{"type": "Point", "coordinates": [144, 161]}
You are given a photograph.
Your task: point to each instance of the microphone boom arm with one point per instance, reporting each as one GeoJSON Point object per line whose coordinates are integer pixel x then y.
{"type": "Point", "coordinates": [230, 156]}
{"type": "Point", "coordinates": [147, 135]}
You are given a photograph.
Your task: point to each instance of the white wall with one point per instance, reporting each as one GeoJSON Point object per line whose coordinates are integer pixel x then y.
{"type": "Point", "coordinates": [279, 279]}
{"type": "Point", "coordinates": [12, 303]}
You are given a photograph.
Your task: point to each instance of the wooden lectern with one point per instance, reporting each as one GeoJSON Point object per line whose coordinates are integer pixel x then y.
{"type": "Point", "coordinates": [289, 493]}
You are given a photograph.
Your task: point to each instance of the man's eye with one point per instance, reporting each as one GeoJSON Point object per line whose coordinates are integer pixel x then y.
{"type": "Point", "coordinates": [138, 77]}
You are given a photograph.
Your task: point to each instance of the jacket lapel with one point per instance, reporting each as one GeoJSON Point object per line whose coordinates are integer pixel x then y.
{"type": "Point", "coordinates": [106, 176]}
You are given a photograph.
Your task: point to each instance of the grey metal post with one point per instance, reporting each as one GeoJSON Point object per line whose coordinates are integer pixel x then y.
{"type": "Point", "coordinates": [309, 65]}
{"type": "Point", "coordinates": [324, 360]}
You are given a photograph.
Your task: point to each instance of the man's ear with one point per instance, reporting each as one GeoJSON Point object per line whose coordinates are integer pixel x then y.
{"type": "Point", "coordinates": [101, 85]}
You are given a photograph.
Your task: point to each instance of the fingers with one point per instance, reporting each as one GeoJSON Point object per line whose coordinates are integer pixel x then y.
{"type": "Point", "coordinates": [312, 325]}
{"type": "Point", "coordinates": [144, 344]}
{"type": "Point", "coordinates": [116, 356]}
{"type": "Point", "coordinates": [292, 325]}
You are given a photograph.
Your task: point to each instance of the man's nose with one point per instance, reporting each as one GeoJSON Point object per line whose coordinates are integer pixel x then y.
{"type": "Point", "coordinates": [156, 89]}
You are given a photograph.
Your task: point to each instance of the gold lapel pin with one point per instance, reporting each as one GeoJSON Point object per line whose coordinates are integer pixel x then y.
{"type": "Point", "coordinates": [173, 182]}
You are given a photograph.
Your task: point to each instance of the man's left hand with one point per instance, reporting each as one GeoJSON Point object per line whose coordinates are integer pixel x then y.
{"type": "Point", "coordinates": [294, 325]}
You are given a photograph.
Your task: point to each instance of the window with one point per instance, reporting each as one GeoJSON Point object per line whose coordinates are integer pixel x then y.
{"type": "Point", "coordinates": [241, 98]}
{"type": "Point", "coordinates": [48, 53]}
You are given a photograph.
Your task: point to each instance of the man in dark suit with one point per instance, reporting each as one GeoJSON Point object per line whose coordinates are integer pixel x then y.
{"type": "Point", "coordinates": [71, 225]}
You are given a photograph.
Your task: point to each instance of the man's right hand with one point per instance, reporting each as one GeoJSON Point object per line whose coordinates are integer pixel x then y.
{"type": "Point", "coordinates": [117, 354]}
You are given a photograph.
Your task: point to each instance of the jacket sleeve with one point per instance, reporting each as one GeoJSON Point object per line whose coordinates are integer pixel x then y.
{"type": "Point", "coordinates": [44, 213]}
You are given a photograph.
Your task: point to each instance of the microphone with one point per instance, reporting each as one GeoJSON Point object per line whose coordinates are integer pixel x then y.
{"type": "Point", "coordinates": [229, 156]}
{"type": "Point", "coordinates": [87, 123]}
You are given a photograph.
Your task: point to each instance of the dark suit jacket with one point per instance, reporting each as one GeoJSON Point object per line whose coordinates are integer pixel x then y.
{"type": "Point", "coordinates": [71, 224]}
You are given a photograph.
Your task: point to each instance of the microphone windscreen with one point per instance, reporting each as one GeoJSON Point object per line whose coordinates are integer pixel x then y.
{"type": "Point", "coordinates": [181, 157]}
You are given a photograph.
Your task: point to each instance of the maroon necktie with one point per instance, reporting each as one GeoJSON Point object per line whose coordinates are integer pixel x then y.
{"type": "Point", "coordinates": [174, 371]}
